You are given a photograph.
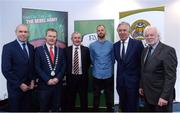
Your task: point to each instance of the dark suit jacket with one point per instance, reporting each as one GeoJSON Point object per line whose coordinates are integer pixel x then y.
{"type": "Point", "coordinates": [42, 66]}
{"type": "Point", "coordinates": [128, 71]}
{"type": "Point", "coordinates": [159, 74]}
{"type": "Point", "coordinates": [85, 59]}
{"type": "Point", "coordinates": [16, 68]}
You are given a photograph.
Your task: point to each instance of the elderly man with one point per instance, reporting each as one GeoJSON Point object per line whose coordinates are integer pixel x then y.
{"type": "Point", "coordinates": [159, 63]}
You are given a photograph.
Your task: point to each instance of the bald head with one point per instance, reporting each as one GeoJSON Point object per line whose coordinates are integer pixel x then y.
{"type": "Point", "coordinates": [22, 32]}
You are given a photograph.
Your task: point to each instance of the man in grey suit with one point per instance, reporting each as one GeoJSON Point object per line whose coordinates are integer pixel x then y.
{"type": "Point", "coordinates": [158, 73]}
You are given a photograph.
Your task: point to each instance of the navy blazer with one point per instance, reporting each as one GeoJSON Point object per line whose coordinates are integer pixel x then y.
{"type": "Point", "coordinates": [128, 71]}
{"type": "Point", "coordinates": [16, 68]}
{"type": "Point", "coordinates": [42, 67]}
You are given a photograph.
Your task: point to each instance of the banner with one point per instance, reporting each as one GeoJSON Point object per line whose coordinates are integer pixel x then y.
{"type": "Point", "coordinates": [87, 28]}
{"type": "Point", "coordinates": [138, 20]}
{"type": "Point", "coordinates": [39, 21]}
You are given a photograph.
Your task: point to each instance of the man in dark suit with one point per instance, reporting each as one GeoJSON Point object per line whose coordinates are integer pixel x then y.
{"type": "Point", "coordinates": [18, 69]}
{"type": "Point", "coordinates": [159, 63]}
{"type": "Point", "coordinates": [50, 66]}
{"type": "Point", "coordinates": [77, 72]}
{"type": "Point", "coordinates": [127, 53]}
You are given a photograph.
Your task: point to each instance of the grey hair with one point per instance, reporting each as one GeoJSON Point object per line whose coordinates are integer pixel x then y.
{"type": "Point", "coordinates": [152, 27]}
{"type": "Point", "coordinates": [75, 33]}
{"type": "Point", "coordinates": [124, 23]}
{"type": "Point", "coordinates": [19, 26]}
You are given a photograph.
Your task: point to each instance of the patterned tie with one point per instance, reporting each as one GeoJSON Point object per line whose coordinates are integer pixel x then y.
{"type": "Point", "coordinates": [24, 49]}
{"type": "Point", "coordinates": [52, 54]}
{"type": "Point", "coordinates": [76, 61]}
{"type": "Point", "coordinates": [123, 51]}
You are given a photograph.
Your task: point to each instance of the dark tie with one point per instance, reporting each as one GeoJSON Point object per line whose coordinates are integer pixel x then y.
{"type": "Point", "coordinates": [51, 54]}
{"type": "Point", "coordinates": [123, 51]}
{"type": "Point", "coordinates": [76, 61]}
{"type": "Point", "coordinates": [24, 49]}
{"type": "Point", "coordinates": [148, 55]}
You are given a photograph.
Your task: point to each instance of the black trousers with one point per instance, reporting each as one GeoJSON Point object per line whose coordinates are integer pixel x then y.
{"type": "Point", "coordinates": [155, 108]}
{"type": "Point", "coordinates": [19, 101]}
{"type": "Point", "coordinates": [106, 85]}
{"type": "Point", "coordinates": [77, 84]}
{"type": "Point", "coordinates": [49, 98]}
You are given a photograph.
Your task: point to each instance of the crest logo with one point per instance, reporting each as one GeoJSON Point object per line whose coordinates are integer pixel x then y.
{"type": "Point", "coordinates": [137, 29]}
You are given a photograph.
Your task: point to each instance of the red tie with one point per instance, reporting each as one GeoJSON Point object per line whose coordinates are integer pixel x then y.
{"type": "Point", "coordinates": [52, 54]}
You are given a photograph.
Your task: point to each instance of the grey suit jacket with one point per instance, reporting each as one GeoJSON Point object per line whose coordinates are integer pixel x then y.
{"type": "Point", "coordinates": [158, 76]}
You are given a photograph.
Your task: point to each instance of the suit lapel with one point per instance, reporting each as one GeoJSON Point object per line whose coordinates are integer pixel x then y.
{"type": "Point", "coordinates": [129, 50]}
{"type": "Point", "coordinates": [30, 51]}
{"type": "Point", "coordinates": [156, 51]}
{"type": "Point", "coordinates": [143, 56]}
{"type": "Point", "coordinates": [82, 53]}
{"type": "Point", "coordinates": [70, 52]}
{"type": "Point", "coordinates": [47, 51]}
{"type": "Point", "coordinates": [118, 46]}
{"type": "Point", "coordinates": [154, 54]}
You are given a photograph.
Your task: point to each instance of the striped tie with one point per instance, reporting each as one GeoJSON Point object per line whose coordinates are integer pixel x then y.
{"type": "Point", "coordinates": [76, 61]}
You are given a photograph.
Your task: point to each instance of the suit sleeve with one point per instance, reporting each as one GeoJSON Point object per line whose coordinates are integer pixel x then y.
{"type": "Point", "coordinates": [89, 58]}
{"type": "Point", "coordinates": [91, 54]}
{"type": "Point", "coordinates": [39, 71]}
{"type": "Point", "coordinates": [7, 67]}
{"type": "Point", "coordinates": [60, 75]}
{"type": "Point", "coordinates": [170, 65]}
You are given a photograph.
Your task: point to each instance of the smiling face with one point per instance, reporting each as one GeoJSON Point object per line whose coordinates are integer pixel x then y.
{"type": "Point", "coordinates": [123, 31]}
{"type": "Point", "coordinates": [76, 38]}
{"type": "Point", "coordinates": [151, 35]}
{"type": "Point", "coordinates": [51, 37]}
{"type": "Point", "coordinates": [22, 33]}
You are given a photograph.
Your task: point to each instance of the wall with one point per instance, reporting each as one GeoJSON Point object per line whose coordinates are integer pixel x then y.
{"type": "Point", "coordinates": [10, 16]}
{"type": "Point", "coordinates": [172, 34]}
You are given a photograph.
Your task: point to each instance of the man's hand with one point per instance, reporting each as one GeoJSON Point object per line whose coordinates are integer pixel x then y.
{"type": "Point", "coordinates": [141, 91]}
{"type": "Point", "coordinates": [55, 80]}
{"type": "Point", "coordinates": [162, 102]}
{"type": "Point", "coordinates": [50, 82]}
{"type": "Point", "coordinates": [24, 87]}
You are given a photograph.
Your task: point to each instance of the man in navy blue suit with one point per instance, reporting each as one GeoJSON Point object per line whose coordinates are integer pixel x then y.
{"type": "Point", "coordinates": [128, 56]}
{"type": "Point", "coordinates": [18, 69]}
{"type": "Point", "coordinates": [50, 66]}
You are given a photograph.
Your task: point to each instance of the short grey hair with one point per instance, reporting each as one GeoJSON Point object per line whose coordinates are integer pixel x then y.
{"type": "Point", "coordinates": [151, 27]}
{"type": "Point", "coordinates": [75, 33]}
{"type": "Point", "coordinates": [124, 23]}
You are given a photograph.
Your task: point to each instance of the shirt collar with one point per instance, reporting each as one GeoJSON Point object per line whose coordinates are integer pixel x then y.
{"type": "Point", "coordinates": [48, 46]}
{"type": "Point", "coordinates": [76, 46]}
{"type": "Point", "coordinates": [126, 41]}
{"type": "Point", "coordinates": [155, 45]}
{"type": "Point", "coordinates": [20, 42]}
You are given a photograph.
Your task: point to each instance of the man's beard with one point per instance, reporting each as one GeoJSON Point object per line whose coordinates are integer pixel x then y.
{"type": "Point", "coordinates": [101, 36]}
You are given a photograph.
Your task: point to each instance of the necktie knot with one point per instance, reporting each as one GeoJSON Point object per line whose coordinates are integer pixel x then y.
{"type": "Point", "coordinates": [76, 48]}
{"type": "Point", "coordinates": [150, 47]}
{"type": "Point", "coordinates": [24, 44]}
